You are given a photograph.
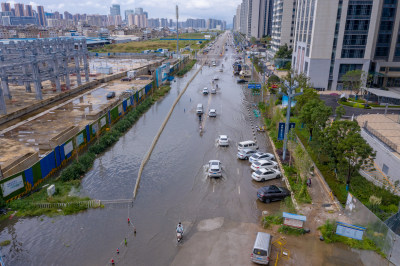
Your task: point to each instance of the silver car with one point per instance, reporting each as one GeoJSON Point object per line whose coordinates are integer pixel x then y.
{"type": "Point", "coordinates": [265, 174]}
{"type": "Point", "coordinates": [264, 164]}
{"type": "Point", "coordinates": [212, 113]}
{"type": "Point", "coordinates": [214, 168]}
{"type": "Point", "coordinates": [261, 156]}
{"type": "Point", "coordinates": [245, 153]}
{"type": "Point", "coordinates": [223, 140]}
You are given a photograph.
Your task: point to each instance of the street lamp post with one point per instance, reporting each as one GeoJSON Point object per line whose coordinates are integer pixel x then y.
{"type": "Point", "coordinates": [290, 93]}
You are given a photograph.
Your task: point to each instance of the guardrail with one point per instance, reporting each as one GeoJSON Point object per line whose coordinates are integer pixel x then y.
{"type": "Point", "coordinates": [382, 138]}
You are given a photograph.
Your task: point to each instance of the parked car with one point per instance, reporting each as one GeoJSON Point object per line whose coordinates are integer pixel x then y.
{"type": "Point", "coordinates": [245, 153]}
{"type": "Point", "coordinates": [263, 164]}
{"type": "Point", "coordinates": [261, 156]}
{"type": "Point", "coordinates": [266, 174]}
{"type": "Point", "coordinates": [205, 90]}
{"type": "Point", "coordinates": [212, 113]}
{"type": "Point", "coordinates": [126, 79]}
{"type": "Point", "coordinates": [213, 90]}
{"type": "Point", "coordinates": [215, 78]}
{"type": "Point", "coordinates": [241, 81]}
{"type": "Point", "coordinates": [272, 193]}
{"type": "Point", "coordinates": [223, 140]}
{"type": "Point", "coordinates": [110, 95]}
{"type": "Point", "coordinates": [213, 63]}
{"type": "Point", "coordinates": [214, 168]}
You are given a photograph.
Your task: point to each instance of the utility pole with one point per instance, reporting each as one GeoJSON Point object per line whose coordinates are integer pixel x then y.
{"type": "Point", "coordinates": [290, 93]}
{"type": "Point", "coordinates": [177, 33]}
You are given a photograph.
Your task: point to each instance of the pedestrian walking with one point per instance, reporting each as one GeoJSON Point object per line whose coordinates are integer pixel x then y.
{"type": "Point", "coordinates": [309, 182]}
{"type": "Point", "coordinates": [126, 243]}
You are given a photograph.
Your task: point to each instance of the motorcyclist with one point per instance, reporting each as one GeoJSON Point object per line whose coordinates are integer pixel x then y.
{"type": "Point", "coordinates": [179, 228]}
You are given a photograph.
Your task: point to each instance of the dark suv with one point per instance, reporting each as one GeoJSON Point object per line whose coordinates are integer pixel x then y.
{"type": "Point", "coordinates": [272, 193]}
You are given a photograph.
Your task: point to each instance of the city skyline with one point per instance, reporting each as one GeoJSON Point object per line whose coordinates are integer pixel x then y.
{"type": "Point", "coordinates": [188, 9]}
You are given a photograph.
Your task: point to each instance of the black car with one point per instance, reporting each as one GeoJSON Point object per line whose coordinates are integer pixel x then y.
{"type": "Point", "coordinates": [272, 193]}
{"type": "Point", "coordinates": [110, 95]}
{"type": "Point", "coordinates": [241, 81]}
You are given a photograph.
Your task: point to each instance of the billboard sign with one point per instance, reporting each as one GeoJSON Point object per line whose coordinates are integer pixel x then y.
{"type": "Point", "coordinates": [12, 185]}
{"type": "Point", "coordinates": [350, 230]}
{"type": "Point", "coordinates": [281, 132]}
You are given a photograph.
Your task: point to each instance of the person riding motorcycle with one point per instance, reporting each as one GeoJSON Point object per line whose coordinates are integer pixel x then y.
{"type": "Point", "coordinates": [179, 228]}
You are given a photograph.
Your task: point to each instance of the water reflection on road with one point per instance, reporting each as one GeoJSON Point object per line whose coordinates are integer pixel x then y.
{"type": "Point", "coordinates": [173, 188]}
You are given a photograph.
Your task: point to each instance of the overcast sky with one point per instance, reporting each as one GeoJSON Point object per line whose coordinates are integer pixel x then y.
{"type": "Point", "coordinates": [218, 9]}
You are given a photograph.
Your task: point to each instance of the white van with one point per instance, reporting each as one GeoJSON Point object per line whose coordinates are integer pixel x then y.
{"type": "Point", "coordinates": [199, 108]}
{"type": "Point", "coordinates": [248, 144]}
{"type": "Point", "coordinates": [262, 248]}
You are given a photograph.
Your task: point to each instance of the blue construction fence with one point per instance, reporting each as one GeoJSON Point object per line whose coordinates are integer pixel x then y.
{"type": "Point", "coordinates": [29, 179]}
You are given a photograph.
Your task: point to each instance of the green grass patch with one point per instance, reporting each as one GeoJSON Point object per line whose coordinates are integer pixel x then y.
{"type": "Point", "coordinates": [383, 106]}
{"type": "Point", "coordinates": [299, 187]}
{"type": "Point", "coordinates": [5, 243]}
{"type": "Point", "coordinates": [189, 65]}
{"type": "Point", "coordinates": [328, 232]}
{"type": "Point", "coordinates": [291, 231]}
{"type": "Point", "coordinates": [269, 220]}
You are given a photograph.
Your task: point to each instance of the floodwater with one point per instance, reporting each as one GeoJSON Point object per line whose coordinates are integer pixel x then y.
{"type": "Point", "coordinates": [174, 186]}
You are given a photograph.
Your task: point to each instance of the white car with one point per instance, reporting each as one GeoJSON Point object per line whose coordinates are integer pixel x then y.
{"type": "Point", "coordinates": [213, 90]}
{"type": "Point", "coordinates": [214, 64]}
{"type": "Point", "coordinates": [245, 153]}
{"type": "Point", "coordinates": [212, 113]}
{"type": "Point", "coordinates": [263, 164]}
{"type": "Point", "coordinates": [214, 168]}
{"type": "Point", "coordinates": [205, 90]}
{"type": "Point", "coordinates": [261, 156]}
{"type": "Point", "coordinates": [223, 140]}
{"type": "Point", "coordinates": [265, 174]}
{"type": "Point", "coordinates": [215, 78]}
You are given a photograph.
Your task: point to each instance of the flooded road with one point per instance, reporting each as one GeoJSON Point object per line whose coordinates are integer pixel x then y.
{"type": "Point", "coordinates": [174, 186]}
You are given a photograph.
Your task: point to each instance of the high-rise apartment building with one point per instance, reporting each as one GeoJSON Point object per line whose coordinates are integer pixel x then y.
{"type": "Point", "coordinates": [19, 10]}
{"type": "Point", "coordinates": [336, 36]}
{"type": "Point", "coordinates": [128, 12]}
{"type": "Point", "coordinates": [115, 10]}
{"type": "Point", "coordinates": [28, 11]}
{"type": "Point", "coordinates": [283, 21]}
{"type": "Point", "coordinates": [5, 7]}
{"type": "Point", "coordinates": [236, 26]}
{"type": "Point", "coordinates": [254, 18]}
{"type": "Point", "coordinates": [139, 11]}
{"type": "Point", "coordinates": [41, 16]}
{"type": "Point", "coordinates": [164, 22]}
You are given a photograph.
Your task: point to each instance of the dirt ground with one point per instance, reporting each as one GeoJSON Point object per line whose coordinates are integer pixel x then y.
{"type": "Point", "coordinates": [221, 242]}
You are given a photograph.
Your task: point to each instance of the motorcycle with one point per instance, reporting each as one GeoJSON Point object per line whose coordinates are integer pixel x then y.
{"type": "Point", "coordinates": [260, 129]}
{"type": "Point", "coordinates": [179, 237]}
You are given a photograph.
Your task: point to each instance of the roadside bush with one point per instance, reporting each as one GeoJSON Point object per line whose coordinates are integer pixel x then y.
{"type": "Point", "coordinates": [328, 231]}
{"type": "Point", "coordinates": [343, 99]}
{"type": "Point", "coordinates": [269, 220]}
{"type": "Point", "coordinates": [291, 231]}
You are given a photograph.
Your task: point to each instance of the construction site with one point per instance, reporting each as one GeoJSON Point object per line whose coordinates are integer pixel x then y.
{"type": "Point", "coordinates": [73, 99]}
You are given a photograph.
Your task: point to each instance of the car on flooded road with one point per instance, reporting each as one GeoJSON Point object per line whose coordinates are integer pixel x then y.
{"type": "Point", "coordinates": [264, 164]}
{"type": "Point", "coordinates": [261, 156]}
{"type": "Point", "coordinates": [214, 168]}
{"type": "Point", "coordinates": [266, 174]}
{"type": "Point", "coordinates": [272, 193]}
{"type": "Point", "coordinates": [223, 140]}
{"type": "Point", "coordinates": [244, 154]}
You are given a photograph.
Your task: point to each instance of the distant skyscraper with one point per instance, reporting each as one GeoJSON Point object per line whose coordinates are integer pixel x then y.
{"type": "Point", "coordinates": [67, 15]}
{"type": "Point", "coordinates": [146, 14]}
{"type": "Point", "coordinates": [28, 11]}
{"type": "Point", "coordinates": [5, 7]}
{"type": "Point", "coordinates": [19, 10]}
{"type": "Point", "coordinates": [139, 11]}
{"type": "Point", "coordinates": [41, 16]}
{"type": "Point", "coordinates": [127, 13]}
{"type": "Point", "coordinates": [115, 10]}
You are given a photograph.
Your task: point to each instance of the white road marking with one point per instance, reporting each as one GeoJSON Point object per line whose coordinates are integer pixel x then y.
{"type": "Point", "coordinates": [213, 187]}
{"type": "Point", "coordinates": [239, 189]}
{"type": "Point", "coordinates": [237, 171]}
